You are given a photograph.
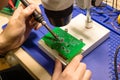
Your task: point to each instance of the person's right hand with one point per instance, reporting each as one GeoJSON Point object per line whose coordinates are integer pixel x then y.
{"type": "Point", "coordinates": [75, 70]}
{"type": "Point", "coordinates": [18, 28]}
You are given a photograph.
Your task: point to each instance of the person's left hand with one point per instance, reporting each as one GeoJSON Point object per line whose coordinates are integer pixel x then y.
{"type": "Point", "coordinates": [75, 70]}
{"type": "Point", "coordinates": [18, 28]}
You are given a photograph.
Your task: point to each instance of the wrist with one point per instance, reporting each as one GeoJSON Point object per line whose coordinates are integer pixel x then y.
{"type": "Point", "coordinates": [3, 45]}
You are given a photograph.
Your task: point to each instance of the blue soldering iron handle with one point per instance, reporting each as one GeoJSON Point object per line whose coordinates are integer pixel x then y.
{"type": "Point", "coordinates": [37, 15]}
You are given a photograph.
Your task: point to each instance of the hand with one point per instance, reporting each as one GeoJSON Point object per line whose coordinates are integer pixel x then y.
{"type": "Point", "coordinates": [75, 70]}
{"type": "Point", "coordinates": [18, 28]}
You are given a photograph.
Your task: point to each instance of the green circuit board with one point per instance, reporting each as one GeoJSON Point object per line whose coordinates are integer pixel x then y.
{"type": "Point", "coordinates": [67, 46]}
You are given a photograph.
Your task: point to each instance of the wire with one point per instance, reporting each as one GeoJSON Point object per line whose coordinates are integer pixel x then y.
{"type": "Point", "coordinates": [116, 4]}
{"type": "Point", "coordinates": [106, 2]}
{"type": "Point", "coordinates": [115, 62]}
{"type": "Point", "coordinates": [10, 2]}
{"type": "Point", "coordinates": [113, 4]}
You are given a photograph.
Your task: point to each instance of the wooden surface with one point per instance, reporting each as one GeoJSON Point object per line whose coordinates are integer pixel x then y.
{"type": "Point", "coordinates": [36, 70]}
{"type": "Point", "coordinates": [3, 64]}
{"type": "Point", "coordinates": [27, 61]}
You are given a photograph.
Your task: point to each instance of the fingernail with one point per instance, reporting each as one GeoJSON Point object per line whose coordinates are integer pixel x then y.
{"type": "Point", "coordinates": [80, 56]}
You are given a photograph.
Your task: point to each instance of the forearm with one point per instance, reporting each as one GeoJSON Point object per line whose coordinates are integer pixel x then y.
{"type": "Point", "coordinates": [8, 43]}
{"type": "Point", "coordinates": [4, 45]}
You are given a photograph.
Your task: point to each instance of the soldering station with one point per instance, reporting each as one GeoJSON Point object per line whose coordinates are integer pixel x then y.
{"type": "Point", "coordinates": [80, 27]}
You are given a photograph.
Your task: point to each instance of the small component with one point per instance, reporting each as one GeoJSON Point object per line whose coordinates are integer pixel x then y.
{"type": "Point", "coordinates": [81, 39]}
{"type": "Point", "coordinates": [67, 51]}
{"type": "Point", "coordinates": [66, 30]}
{"type": "Point", "coordinates": [67, 46]}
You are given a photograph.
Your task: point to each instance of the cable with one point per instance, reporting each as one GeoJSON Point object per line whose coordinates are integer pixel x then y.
{"type": "Point", "coordinates": [115, 62]}
{"type": "Point", "coordinates": [10, 2]}
{"type": "Point", "coordinates": [106, 1]}
{"type": "Point", "coordinates": [113, 4]}
{"type": "Point", "coordinates": [116, 4]}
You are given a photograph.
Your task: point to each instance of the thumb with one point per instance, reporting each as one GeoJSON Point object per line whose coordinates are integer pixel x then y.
{"type": "Point", "coordinates": [57, 70]}
{"type": "Point", "coordinates": [27, 12]}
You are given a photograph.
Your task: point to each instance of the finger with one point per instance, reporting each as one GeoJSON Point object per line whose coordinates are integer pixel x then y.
{"type": "Point", "coordinates": [74, 63]}
{"type": "Point", "coordinates": [17, 12]}
{"type": "Point", "coordinates": [37, 27]}
{"type": "Point", "coordinates": [81, 70]}
{"type": "Point", "coordinates": [31, 20]}
{"type": "Point", "coordinates": [34, 24]}
{"type": "Point", "coordinates": [87, 75]}
{"type": "Point", "coordinates": [57, 70]}
{"type": "Point", "coordinates": [27, 12]}
{"type": "Point", "coordinates": [33, 2]}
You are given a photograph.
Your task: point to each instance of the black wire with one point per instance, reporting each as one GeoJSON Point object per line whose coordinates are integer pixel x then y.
{"type": "Point", "coordinates": [115, 62]}
{"type": "Point", "coordinates": [106, 2]}
{"type": "Point", "coordinates": [113, 4]}
{"type": "Point", "coordinates": [116, 4]}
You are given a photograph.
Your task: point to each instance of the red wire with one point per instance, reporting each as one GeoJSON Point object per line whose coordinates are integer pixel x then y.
{"type": "Point", "coordinates": [10, 2]}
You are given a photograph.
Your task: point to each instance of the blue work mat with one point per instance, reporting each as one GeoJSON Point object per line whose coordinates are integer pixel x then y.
{"type": "Point", "coordinates": [99, 61]}
{"type": "Point", "coordinates": [107, 16]}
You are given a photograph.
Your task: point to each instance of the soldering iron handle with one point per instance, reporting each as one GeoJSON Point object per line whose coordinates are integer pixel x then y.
{"type": "Point", "coordinates": [37, 15]}
{"type": "Point", "coordinates": [25, 3]}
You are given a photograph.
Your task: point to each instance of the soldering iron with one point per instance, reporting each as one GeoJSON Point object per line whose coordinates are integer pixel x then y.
{"type": "Point", "coordinates": [39, 18]}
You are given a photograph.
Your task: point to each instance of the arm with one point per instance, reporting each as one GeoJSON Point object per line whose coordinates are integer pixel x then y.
{"type": "Point", "coordinates": [18, 28]}
{"type": "Point", "coordinates": [75, 70]}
